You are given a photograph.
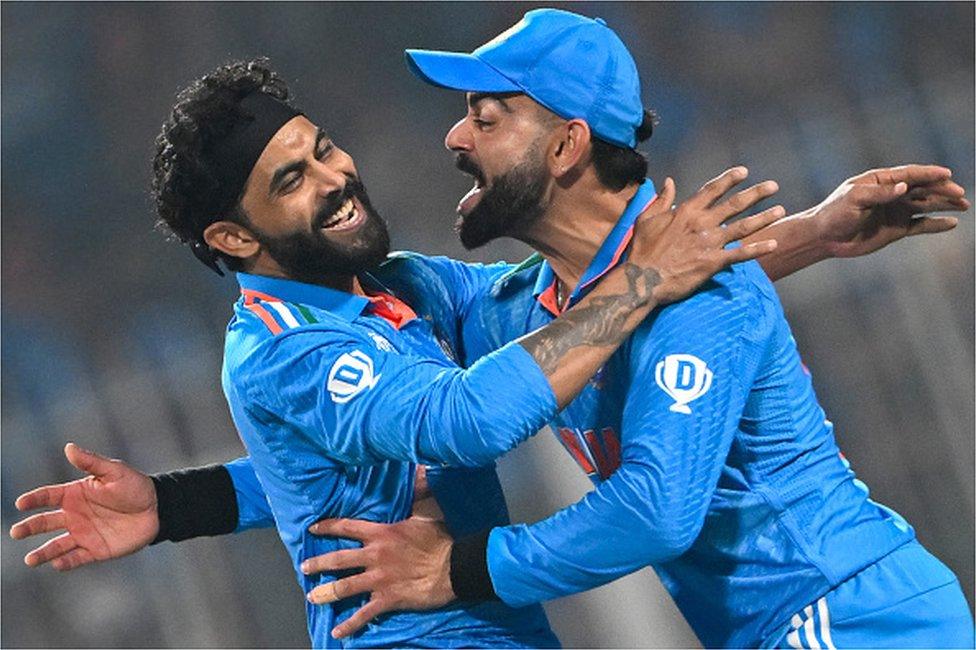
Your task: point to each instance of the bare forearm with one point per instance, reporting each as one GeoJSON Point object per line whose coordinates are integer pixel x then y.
{"type": "Point", "coordinates": [573, 347]}
{"type": "Point", "coordinates": [799, 244]}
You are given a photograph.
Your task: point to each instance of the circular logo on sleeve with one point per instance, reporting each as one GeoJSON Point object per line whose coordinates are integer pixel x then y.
{"type": "Point", "coordinates": [351, 374]}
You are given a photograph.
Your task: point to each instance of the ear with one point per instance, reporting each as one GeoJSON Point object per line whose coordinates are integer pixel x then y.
{"type": "Point", "coordinates": [571, 150]}
{"type": "Point", "coordinates": [231, 238]}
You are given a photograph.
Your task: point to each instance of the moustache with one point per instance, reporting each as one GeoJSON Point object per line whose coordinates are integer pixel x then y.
{"type": "Point", "coordinates": [468, 166]}
{"type": "Point", "coordinates": [353, 188]}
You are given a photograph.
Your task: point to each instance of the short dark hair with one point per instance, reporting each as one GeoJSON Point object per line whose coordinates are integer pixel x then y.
{"type": "Point", "coordinates": [617, 167]}
{"type": "Point", "coordinates": [185, 189]}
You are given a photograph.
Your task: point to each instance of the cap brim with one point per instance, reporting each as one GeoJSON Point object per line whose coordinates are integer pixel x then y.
{"type": "Point", "coordinates": [458, 71]}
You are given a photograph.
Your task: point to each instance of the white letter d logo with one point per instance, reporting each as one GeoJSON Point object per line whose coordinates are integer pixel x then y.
{"type": "Point", "coordinates": [684, 378]}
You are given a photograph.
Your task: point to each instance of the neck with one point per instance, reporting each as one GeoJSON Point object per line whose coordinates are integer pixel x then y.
{"type": "Point", "coordinates": [574, 226]}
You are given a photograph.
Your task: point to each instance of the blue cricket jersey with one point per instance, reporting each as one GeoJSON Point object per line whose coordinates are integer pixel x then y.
{"type": "Point", "coordinates": [336, 397]}
{"type": "Point", "coordinates": [711, 457]}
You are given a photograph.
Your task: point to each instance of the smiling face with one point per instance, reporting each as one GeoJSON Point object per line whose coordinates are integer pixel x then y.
{"type": "Point", "coordinates": [502, 143]}
{"type": "Point", "coordinates": [308, 211]}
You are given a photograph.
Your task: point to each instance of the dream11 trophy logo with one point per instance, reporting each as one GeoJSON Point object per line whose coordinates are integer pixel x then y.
{"type": "Point", "coordinates": [685, 378]}
{"type": "Point", "coordinates": [351, 374]}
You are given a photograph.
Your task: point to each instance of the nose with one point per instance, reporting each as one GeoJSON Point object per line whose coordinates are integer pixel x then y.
{"type": "Point", "coordinates": [328, 179]}
{"type": "Point", "coordinates": [459, 137]}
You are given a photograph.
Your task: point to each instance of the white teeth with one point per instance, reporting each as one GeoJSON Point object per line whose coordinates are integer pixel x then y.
{"type": "Point", "coordinates": [344, 213]}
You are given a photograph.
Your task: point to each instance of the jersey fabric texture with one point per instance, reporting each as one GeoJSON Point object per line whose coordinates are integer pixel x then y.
{"type": "Point", "coordinates": [336, 397]}
{"type": "Point", "coordinates": [711, 457]}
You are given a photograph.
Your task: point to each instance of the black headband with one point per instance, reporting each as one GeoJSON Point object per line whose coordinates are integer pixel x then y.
{"type": "Point", "coordinates": [234, 156]}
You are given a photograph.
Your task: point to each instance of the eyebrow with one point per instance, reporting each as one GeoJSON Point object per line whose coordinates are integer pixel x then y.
{"type": "Point", "coordinates": [475, 98]}
{"type": "Point", "coordinates": [296, 165]}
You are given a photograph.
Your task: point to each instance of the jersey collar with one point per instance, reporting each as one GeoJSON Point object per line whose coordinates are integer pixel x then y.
{"type": "Point", "coordinates": [607, 257]}
{"type": "Point", "coordinates": [264, 287]}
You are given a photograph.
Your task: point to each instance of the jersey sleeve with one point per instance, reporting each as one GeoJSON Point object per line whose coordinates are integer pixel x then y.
{"type": "Point", "coordinates": [690, 369]}
{"type": "Point", "coordinates": [363, 405]}
{"type": "Point", "coordinates": [253, 509]}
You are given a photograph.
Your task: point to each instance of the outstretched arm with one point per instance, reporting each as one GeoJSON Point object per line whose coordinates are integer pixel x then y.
{"type": "Point", "coordinates": [107, 514]}
{"type": "Point", "coordinates": [864, 214]}
{"type": "Point", "coordinates": [117, 510]}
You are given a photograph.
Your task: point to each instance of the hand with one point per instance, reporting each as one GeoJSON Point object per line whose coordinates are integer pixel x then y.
{"type": "Point", "coordinates": [406, 565]}
{"type": "Point", "coordinates": [686, 244]}
{"type": "Point", "coordinates": [108, 514]}
{"type": "Point", "coordinates": [869, 211]}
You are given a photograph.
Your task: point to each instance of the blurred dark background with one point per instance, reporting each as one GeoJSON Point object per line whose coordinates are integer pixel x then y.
{"type": "Point", "coordinates": [112, 336]}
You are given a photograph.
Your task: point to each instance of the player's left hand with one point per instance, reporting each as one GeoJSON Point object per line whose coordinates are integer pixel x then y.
{"type": "Point", "coordinates": [871, 210]}
{"type": "Point", "coordinates": [405, 565]}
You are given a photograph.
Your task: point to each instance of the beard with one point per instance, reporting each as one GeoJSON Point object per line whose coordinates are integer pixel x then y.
{"type": "Point", "coordinates": [312, 257]}
{"type": "Point", "coordinates": [513, 203]}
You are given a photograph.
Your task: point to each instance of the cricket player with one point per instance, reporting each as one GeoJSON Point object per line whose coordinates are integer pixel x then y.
{"type": "Point", "coordinates": [691, 469]}
{"type": "Point", "coordinates": [336, 387]}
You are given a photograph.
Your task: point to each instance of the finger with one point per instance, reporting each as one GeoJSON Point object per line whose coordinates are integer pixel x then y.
{"type": "Point", "coordinates": [744, 200]}
{"type": "Point", "coordinates": [945, 188]}
{"type": "Point", "coordinates": [43, 522]}
{"type": "Point", "coordinates": [931, 225]}
{"type": "Point", "coordinates": [938, 204]}
{"type": "Point", "coordinates": [48, 496]}
{"type": "Point", "coordinates": [50, 550]}
{"type": "Point", "coordinates": [88, 461]}
{"type": "Point", "coordinates": [344, 588]}
{"type": "Point", "coordinates": [351, 528]}
{"type": "Point", "coordinates": [72, 559]}
{"type": "Point", "coordinates": [745, 227]}
{"type": "Point", "coordinates": [747, 252]}
{"type": "Point", "coordinates": [713, 190]}
{"type": "Point", "coordinates": [867, 195]}
{"type": "Point", "coordinates": [336, 560]}
{"type": "Point", "coordinates": [911, 174]}
{"type": "Point", "coordinates": [665, 199]}
{"type": "Point", "coordinates": [359, 619]}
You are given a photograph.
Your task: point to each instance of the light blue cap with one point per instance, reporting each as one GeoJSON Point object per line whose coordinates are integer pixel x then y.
{"type": "Point", "coordinates": [575, 66]}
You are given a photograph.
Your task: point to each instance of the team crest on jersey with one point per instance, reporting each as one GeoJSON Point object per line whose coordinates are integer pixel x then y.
{"type": "Point", "coordinates": [685, 378]}
{"type": "Point", "coordinates": [382, 344]}
{"type": "Point", "coordinates": [351, 374]}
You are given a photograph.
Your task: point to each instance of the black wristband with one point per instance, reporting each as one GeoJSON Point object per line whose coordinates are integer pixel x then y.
{"type": "Point", "coordinates": [195, 503]}
{"type": "Point", "coordinates": [469, 569]}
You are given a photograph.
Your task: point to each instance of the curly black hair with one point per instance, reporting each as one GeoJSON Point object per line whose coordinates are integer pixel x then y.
{"type": "Point", "coordinates": [185, 189]}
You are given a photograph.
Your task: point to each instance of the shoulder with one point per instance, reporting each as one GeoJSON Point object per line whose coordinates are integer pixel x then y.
{"type": "Point", "coordinates": [279, 341]}
{"type": "Point", "coordinates": [735, 302]}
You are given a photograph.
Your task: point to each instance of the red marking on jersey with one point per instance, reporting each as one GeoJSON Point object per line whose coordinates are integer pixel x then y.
{"type": "Point", "coordinates": [548, 300]}
{"type": "Point", "coordinates": [391, 309]}
{"type": "Point", "coordinates": [576, 451]}
{"type": "Point", "coordinates": [250, 295]}
{"type": "Point", "coordinates": [612, 445]}
{"type": "Point", "coordinates": [806, 370]}
{"type": "Point", "coordinates": [263, 314]}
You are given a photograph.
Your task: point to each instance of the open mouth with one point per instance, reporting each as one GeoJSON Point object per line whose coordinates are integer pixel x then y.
{"type": "Point", "coordinates": [349, 216]}
{"type": "Point", "coordinates": [470, 200]}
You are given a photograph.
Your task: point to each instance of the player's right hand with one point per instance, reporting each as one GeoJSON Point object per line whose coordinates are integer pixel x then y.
{"type": "Point", "coordinates": [686, 244]}
{"type": "Point", "coordinates": [105, 515]}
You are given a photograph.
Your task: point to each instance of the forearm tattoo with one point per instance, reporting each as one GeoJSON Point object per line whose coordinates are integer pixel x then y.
{"type": "Point", "coordinates": [600, 322]}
